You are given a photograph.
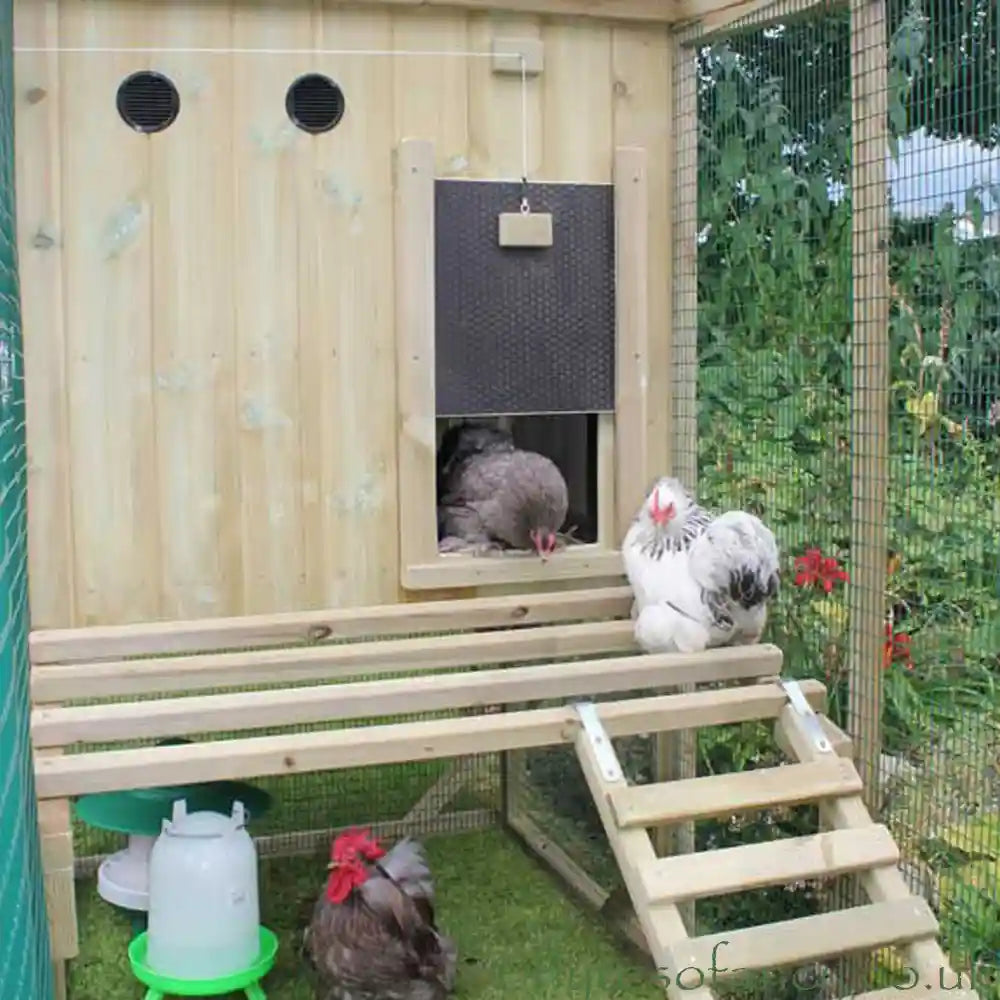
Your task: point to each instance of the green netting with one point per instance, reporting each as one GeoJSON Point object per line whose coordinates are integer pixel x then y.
{"type": "Point", "coordinates": [25, 969]}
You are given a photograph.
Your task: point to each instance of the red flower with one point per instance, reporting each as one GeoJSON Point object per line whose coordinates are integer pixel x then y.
{"type": "Point", "coordinates": [347, 865]}
{"type": "Point", "coordinates": [817, 570]}
{"type": "Point", "coordinates": [896, 648]}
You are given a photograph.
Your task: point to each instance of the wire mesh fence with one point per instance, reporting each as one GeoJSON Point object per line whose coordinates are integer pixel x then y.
{"type": "Point", "coordinates": [847, 369]}
{"type": "Point", "coordinates": [25, 970]}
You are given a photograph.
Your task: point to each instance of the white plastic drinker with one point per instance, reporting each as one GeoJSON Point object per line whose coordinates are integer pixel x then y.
{"type": "Point", "coordinates": [204, 908]}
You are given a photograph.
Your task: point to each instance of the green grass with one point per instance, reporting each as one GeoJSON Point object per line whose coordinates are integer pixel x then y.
{"type": "Point", "coordinates": [518, 933]}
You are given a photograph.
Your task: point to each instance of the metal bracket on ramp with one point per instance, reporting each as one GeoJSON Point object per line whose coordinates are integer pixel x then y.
{"type": "Point", "coordinates": [809, 717]}
{"type": "Point", "coordinates": [604, 752]}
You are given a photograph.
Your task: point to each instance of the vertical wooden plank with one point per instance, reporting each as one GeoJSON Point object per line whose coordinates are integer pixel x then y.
{"type": "Point", "coordinates": [60, 984]}
{"type": "Point", "coordinates": [431, 108]}
{"type": "Point", "coordinates": [414, 255]}
{"type": "Point", "coordinates": [348, 361]}
{"type": "Point", "coordinates": [577, 139]}
{"type": "Point", "coordinates": [632, 330]}
{"type": "Point", "coordinates": [40, 260]}
{"type": "Point", "coordinates": [37, 151]}
{"type": "Point", "coordinates": [642, 64]}
{"type": "Point", "coordinates": [431, 91]}
{"type": "Point", "coordinates": [269, 153]}
{"type": "Point", "coordinates": [108, 295]}
{"type": "Point", "coordinates": [496, 115]}
{"type": "Point", "coordinates": [194, 254]}
{"type": "Point", "coordinates": [870, 384]}
{"type": "Point", "coordinates": [642, 78]}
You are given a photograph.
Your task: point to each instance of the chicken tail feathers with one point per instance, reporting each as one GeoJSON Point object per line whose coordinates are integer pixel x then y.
{"type": "Point", "coordinates": [750, 585]}
{"type": "Point", "coordinates": [406, 865]}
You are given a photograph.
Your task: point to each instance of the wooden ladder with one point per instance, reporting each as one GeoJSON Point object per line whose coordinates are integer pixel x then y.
{"type": "Point", "coordinates": [853, 844]}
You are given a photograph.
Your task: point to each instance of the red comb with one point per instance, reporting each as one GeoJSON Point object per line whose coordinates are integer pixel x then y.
{"type": "Point", "coordinates": [354, 842]}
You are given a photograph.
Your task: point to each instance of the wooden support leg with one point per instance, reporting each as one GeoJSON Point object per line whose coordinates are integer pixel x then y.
{"type": "Point", "coordinates": [59, 979]}
{"type": "Point", "coordinates": [55, 831]}
{"type": "Point", "coordinates": [434, 800]}
{"type": "Point", "coordinates": [57, 867]}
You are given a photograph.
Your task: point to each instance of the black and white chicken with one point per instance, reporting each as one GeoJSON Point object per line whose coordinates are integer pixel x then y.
{"type": "Point", "coordinates": [493, 495]}
{"type": "Point", "coordinates": [699, 581]}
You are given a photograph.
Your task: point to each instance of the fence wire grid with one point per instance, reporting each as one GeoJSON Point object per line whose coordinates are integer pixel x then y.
{"type": "Point", "coordinates": [848, 391]}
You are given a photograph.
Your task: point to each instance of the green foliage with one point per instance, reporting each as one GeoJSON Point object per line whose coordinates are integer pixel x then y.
{"type": "Point", "coordinates": [775, 375]}
{"type": "Point", "coordinates": [776, 316]}
{"type": "Point", "coordinates": [944, 71]}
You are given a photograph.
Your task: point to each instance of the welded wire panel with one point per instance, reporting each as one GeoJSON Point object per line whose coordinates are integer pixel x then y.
{"type": "Point", "coordinates": [419, 798]}
{"type": "Point", "coordinates": [940, 786]}
{"type": "Point", "coordinates": [837, 341]}
{"type": "Point", "coordinates": [524, 330]}
{"type": "Point", "coordinates": [845, 217]}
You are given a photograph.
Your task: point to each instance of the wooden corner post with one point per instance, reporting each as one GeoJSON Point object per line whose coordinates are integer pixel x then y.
{"type": "Point", "coordinates": [417, 438]}
{"type": "Point", "coordinates": [870, 381]}
{"type": "Point", "coordinates": [631, 332]}
{"type": "Point", "coordinates": [676, 753]}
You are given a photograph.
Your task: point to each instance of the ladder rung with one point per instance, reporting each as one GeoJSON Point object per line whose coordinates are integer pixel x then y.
{"type": "Point", "coordinates": [790, 942]}
{"type": "Point", "coordinates": [724, 794]}
{"type": "Point", "coordinates": [777, 862]}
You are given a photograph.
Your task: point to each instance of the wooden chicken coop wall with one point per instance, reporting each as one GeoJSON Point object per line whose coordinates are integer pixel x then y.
{"type": "Point", "coordinates": [209, 311]}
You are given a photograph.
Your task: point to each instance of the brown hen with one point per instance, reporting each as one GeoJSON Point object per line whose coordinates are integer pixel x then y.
{"type": "Point", "coordinates": [373, 935]}
{"type": "Point", "coordinates": [493, 495]}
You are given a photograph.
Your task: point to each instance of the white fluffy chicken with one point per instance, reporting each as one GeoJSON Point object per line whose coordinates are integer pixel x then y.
{"type": "Point", "coordinates": [699, 581]}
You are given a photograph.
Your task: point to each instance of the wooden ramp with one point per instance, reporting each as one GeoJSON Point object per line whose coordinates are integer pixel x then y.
{"type": "Point", "coordinates": [854, 844]}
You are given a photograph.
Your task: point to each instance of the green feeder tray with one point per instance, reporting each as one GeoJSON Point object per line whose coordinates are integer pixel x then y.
{"type": "Point", "coordinates": [123, 878]}
{"type": "Point", "coordinates": [160, 986]}
{"type": "Point", "coordinates": [140, 812]}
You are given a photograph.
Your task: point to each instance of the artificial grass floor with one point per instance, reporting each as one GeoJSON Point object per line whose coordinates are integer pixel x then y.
{"type": "Point", "coordinates": [518, 933]}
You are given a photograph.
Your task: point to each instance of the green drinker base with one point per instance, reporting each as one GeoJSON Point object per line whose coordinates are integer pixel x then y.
{"type": "Point", "coordinates": [160, 986]}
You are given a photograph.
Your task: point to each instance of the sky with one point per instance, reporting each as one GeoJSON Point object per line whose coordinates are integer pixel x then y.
{"type": "Point", "coordinates": [930, 172]}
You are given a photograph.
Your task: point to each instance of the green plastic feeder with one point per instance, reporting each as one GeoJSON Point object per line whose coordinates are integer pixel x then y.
{"type": "Point", "coordinates": [159, 987]}
{"type": "Point", "coordinates": [123, 878]}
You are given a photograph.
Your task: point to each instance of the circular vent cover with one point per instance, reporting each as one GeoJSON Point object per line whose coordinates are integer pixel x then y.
{"type": "Point", "coordinates": [315, 103]}
{"type": "Point", "coordinates": [148, 102]}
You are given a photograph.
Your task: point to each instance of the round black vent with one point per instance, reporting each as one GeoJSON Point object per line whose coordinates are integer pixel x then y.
{"type": "Point", "coordinates": [315, 103]}
{"type": "Point", "coordinates": [148, 102]}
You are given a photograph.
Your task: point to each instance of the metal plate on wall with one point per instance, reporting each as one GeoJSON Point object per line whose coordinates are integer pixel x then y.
{"type": "Point", "coordinates": [524, 330]}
